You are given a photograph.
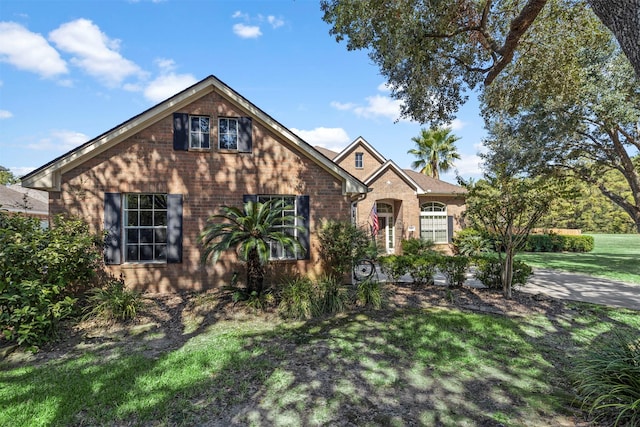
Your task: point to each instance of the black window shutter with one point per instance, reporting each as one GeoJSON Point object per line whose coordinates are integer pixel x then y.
{"type": "Point", "coordinates": [180, 131]}
{"type": "Point", "coordinates": [249, 198]}
{"type": "Point", "coordinates": [174, 228]}
{"type": "Point", "coordinates": [302, 210]}
{"type": "Point", "coordinates": [245, 140]}
{"type": "Point", "coordinates": [450, 228]}
{"type": "Point", "coordinates": [113, 228]}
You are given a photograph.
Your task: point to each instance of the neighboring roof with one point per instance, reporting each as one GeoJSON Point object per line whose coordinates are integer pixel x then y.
{"type": "Point", "coordinates": [360, 141]}
{"type": "Point", "coordinates": [15, 198]}
{"type": "Point", "coordinates": [48, 177]}
{"type": "Point", "coordinates": [326, 152]}
{"type": "Point", "coordinates": [434, 186]}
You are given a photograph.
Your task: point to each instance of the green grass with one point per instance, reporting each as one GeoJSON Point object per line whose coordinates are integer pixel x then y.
{"type": "Point", "coordinates": [402, 367]}
{"type": "Point", "coordinates": [615, 256]}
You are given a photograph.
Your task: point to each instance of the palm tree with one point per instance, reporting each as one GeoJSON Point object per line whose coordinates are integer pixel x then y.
{"type": "Point", "coordinates": [250, 231]}
{"type": "Point", "coordinates": [435, 151]}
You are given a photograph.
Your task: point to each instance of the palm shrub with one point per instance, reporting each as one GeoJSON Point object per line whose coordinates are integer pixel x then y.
{"type": "Point", "coordinates": [113, 302]}
{"type": "Point", "coordinates": [472, 242]}
{"type": "Point", "coordinates": [417, 247]}
{"type": "Point", "coordinates": [608, 378]}
{"type": "Point", "coordinates": [454, 268]}
{"type": "Point", "coordinates": [250, 231]}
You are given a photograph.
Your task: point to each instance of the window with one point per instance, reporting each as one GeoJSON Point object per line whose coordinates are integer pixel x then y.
{"type": "Point", "coordinates": [434, 222]}
{"type": "Point", "coordinates": [276, 249]}
{"type": "Point", "coordinates": [143, 228]}
{"type": "Point", "coordinates": [359, 160]}
{"type": "Point", "coordinates": [199, 132]}
{"type": "Point", "coordinates": [228, 134]}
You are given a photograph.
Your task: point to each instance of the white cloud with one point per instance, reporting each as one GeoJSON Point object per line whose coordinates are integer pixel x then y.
{"type": "Point", "coordinates": [29, 51]}
{"type": "Point", "coordinates": [376, 106]}
{"type": "Point", "coordinates": [21, 170]}
{"type": "Point", "coordinates": [468, 165]}
{"type": "Point", "coordinates": [456, 124]}
{"type": "Point", "coordinates": [60, 140]}
{"type": "Point", "coordinates": [165, 64]}
{"type": "Point", "coordinates": [94, 52]}
{"type": "Point", "coordinates": [331, 138]}
{"type": "Point", "coordinates": [168, 85]}
{"type": "Point", "coordinates": [343, 107]}
{"type": "Point", "coordinates": [240, 15]}
{"type": "Point", "coordinates": [275, 22]}
{"type": "Point", "coordinates": [247, 31]}
{"type": "Point", "coordinates": [4, 114]}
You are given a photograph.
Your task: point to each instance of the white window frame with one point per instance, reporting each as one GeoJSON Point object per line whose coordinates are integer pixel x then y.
{"type": "Point", "coordinates": [200, 138]}
{"type": "Point", "coordinates": [434, 222]}
{"type": "Point", "coordinates": [276, 251]}
{"type": "Point", "coordinates": [222, 136]}
{"type": "Point", "coordinates": [155, 219]}
{"type": "Point", "coordinates": [359, 160]}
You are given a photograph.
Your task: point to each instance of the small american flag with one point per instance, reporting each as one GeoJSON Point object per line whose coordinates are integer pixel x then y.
{"type": "Point", "coordinates": [375, 224]}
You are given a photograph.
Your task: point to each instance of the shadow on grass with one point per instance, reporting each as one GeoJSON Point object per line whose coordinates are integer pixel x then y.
{"type": "Point", "coordinates": [393, 367]}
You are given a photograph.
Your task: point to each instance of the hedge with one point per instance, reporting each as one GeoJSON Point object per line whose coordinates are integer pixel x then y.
{"type": "Point", "coordinates": [558, 243]}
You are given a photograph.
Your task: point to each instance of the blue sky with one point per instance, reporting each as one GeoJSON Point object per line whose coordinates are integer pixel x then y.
{"type": "Point", "coordinates": [71, 70]}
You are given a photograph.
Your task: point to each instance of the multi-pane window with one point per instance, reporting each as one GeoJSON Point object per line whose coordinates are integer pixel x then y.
{"type": "Point", "coordinates": [228, 134]}
{"type": "Point", "coordinates": [275, 248]}
{"type": "Point", "coordinates": [199, 132]}
{"type": "Point", "coordinates": [433, 222]}
{"type": "Point", "coordinates": [359, 160]}
{"type": "Point", "coordinates": [145, 227]}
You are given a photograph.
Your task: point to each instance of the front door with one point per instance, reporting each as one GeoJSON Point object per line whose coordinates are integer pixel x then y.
{"type": "Point", "coordinates": [386, 234]}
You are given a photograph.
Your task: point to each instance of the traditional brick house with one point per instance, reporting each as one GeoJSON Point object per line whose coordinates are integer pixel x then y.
{"type": "Point", "coordinates": [408, 204]}
{"type": "Point", "coordinates": [152, 182]}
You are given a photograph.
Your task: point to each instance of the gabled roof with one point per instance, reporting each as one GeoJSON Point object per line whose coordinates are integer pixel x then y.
{"type": "Point", "coordinates": [433, 186]}
{"type": "Point", "coordinates": [390, 165]}
{"type": "Point", "coordinates": [326, 152]}
{"type": "Point", "coordinates": [48, 177]}
{"type": "Point", "coordinates": [360, 141]}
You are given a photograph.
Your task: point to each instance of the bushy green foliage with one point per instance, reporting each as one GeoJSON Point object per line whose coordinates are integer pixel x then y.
{"type": "Point", "coordinates": [608, 379]}
{"type": "Point", "coordinates": [394, 266]}
{"type": "Point", "coordinates": [331, 296]}
{"type": "Point", "coordinates": [558, 243]}
{"type": "Point", "coordinates": [41, 272]}
{"type": "Point", "coordinates": [341, 245]}
{"type": "Point", "coordinates": [302, 298]}
{"type": "Point", "coordinates": [114, 302]}
{"type": "Point", "coordinates": [489, 271]}
{"type": "Point", "coordinates": [417, 247]}
{"type": "Point", "coordinates": [422, 268]}
{"type": "Point", "coordinates": [472, 242]}
{"type": "Point", "coordinates": [369, 293]}
{"type": "Point", "coordinates": [454, 268]}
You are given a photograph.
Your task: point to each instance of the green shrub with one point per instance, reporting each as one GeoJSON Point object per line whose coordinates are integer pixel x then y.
{"type": "Point", "coordinates": [422, 268]}
{"type": "Point", "coordinates": [369, 293]}
{"type": "Point", "coordinates": [608, 379]}
{"type": "Point", "coordinates": [489, 272]}
{"type": "Point", "coordinates": [342, 244]}
{"type": "Point", "coordinates": [331, 296]}
{"type": "Point", "coordinates": [297, 298]}
{"type": "Point", "coordinates": [454, 268]}
{"type": "Point", "coordinates": [394, 266]}
{"type": "Point", "coordinates": [113, 302]}
{"type": "Point", "coordinates": [558, 243]}
{"type": "Point", "coordinates": [42, 272]}
{"type": "Point", "coordinates": [417, 247]}
{"type": "Point", "coordinates": [471, 242]}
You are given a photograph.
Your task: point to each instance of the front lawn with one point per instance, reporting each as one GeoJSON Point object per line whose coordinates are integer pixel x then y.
{"type": "Point", "coordinates": [615, 256]}
{"type": "Point", "coordinates": [461, 363]}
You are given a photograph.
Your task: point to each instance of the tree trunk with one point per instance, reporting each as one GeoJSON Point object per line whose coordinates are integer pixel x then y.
{"type": "Point", "coordinates": [255, 273]}
{"type": "Point", "coordinates": [622, 17]}
{"type": "Point", "coordinates": [507, 272]}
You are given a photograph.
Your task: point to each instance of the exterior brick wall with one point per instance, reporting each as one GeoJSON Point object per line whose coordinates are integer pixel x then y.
{"type": "Point", "coordinates": [370, 163]}
{"type": "Point", "coordinates": [207, 179]}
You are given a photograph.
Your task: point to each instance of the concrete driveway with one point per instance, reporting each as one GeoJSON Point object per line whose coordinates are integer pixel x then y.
{"type": "Point", "coordinates": [579, 287]}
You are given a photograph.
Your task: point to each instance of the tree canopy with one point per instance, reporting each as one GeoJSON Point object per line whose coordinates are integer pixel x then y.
{"type": "Point", "coordinates": [432, 53]}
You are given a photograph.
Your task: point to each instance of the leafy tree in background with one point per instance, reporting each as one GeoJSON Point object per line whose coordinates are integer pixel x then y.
{"type": "Point", "coordinates": [6, 176]}
{"type": "Point", "coordinates": [509, 207]}
{"type": "Point", "coordinates": [250, 230]}
{"type": "Point", "coordinates": [431, 53]}
{"type": "Point", "coordinates": [570, 103]}
{"type": "Point", "coordinates": [435, 151]}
